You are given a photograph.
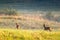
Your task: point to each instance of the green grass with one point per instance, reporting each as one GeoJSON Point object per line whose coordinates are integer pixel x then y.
{"type": "Point", "coordinates": [14, 34]}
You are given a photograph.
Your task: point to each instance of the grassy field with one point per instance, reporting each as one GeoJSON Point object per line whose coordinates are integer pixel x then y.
{"type": "Point", "coordinates": [27, 22]}
{"type": "Point", "coordinates": [14, 34]}
{"type": "Point", "coordinates": [26, 31]}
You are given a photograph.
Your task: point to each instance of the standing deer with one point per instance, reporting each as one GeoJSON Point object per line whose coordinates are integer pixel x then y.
{"type": "Point", "coordinates": [46, 28]}
{"type": "Point", "coordinates": [17, 26]}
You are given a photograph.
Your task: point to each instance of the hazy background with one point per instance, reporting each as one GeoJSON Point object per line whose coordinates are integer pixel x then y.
{"type": "Point", "coordinates": [41, 5]}
{"type": "Point", "coordinates": [30, 14]}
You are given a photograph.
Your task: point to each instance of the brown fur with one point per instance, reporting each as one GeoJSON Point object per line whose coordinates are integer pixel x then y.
{"type": "Point", "coordinates": [17, 26]}
{"type": "Point", "coordinates": [46, 28]}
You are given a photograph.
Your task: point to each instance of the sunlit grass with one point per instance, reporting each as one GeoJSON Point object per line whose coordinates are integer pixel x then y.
{"type": "Point", "coordinates": [14, 34]}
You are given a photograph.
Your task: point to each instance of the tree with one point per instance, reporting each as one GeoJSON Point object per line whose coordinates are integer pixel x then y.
{"type": "Point", "coordinates": [9, 11]}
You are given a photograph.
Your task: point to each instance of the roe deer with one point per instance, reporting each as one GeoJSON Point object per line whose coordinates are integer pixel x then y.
{"type": "Point", "coordinates": [46, 28]}
{"type": "Point", "coordinates": [17, 26]}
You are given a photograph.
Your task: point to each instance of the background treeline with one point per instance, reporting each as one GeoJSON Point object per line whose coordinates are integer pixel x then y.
{"type": "Point", "coordinates": [8, 11]}
{"type": "Point", "coordinates": [48, 15]}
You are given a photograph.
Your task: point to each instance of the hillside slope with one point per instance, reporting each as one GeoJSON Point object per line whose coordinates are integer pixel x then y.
{"type": "Point", "coordinates": [27, 22]}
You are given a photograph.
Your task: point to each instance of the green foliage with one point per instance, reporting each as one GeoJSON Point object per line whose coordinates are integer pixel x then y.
{"type": "Point", "coordinates": [8, 11]}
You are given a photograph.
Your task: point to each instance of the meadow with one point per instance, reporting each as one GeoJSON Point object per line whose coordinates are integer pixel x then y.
{"type": "Point", "coordinates": [20, 34]}
{"type": "Point", "coordinates": [27, 22]}
{"type": "Point", "coordinates": [30, 28]}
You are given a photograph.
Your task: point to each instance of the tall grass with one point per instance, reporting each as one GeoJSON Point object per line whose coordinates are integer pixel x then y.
{"type": "Point", "coordinates": [14, 34]}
